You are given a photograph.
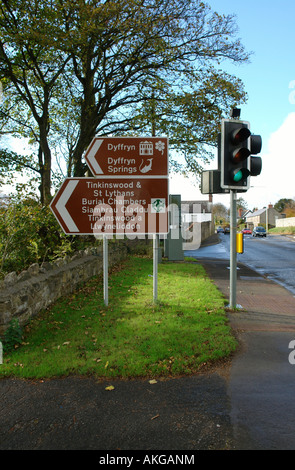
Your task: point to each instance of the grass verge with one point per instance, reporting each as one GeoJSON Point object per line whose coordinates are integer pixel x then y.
{"type": "Point", "coordinates": [283, 230]}
{"type": "Point", "coordinates": [132, 337]}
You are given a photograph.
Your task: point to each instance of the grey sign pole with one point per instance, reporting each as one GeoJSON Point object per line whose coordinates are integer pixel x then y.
{"type": "Point", "coordinates": [233, 249]}
{"type": "Point", "coordinates": [105, 271]}
{"type": "Point", "coordinates": [155, 266]}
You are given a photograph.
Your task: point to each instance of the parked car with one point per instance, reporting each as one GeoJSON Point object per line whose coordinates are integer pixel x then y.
{"type": "Point", "coordinates": [226, 230]}
{"type": "Point", "coordinates": [220, 230]}
{"type": "Point", "coordinates": [247, 231]}
{"type": "Point", "coordinates": [259, 232]}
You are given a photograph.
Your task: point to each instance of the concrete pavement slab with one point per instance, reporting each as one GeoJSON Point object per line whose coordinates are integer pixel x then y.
{"type": "Point", "coordinates": [265, 304]}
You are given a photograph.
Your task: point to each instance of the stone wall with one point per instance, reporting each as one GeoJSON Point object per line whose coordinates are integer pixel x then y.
{"type": "Point", "coordinates": [22, 296]}
{"type": "Point", "coordinates": [196, 233]}
{"type": "Point", "coordinates": [208, 229]}
{"type": "Point", "coordinates": [288, 222]}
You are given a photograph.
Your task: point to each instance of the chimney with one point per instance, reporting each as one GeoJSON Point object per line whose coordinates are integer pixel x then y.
{"type": "Point", "coordinates": [240, 212]}
{"type": "Point", "coordinates": [270, 206]}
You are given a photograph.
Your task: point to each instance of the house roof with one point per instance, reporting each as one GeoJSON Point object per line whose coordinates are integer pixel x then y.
{"type": "Point", "coordinates": [244, 213]}
{"type": "Point", "coordinates": [256, 213]}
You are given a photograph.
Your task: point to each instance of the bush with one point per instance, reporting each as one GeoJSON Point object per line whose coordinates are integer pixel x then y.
{"type": "Point", "coordinates": [12, 336]}
{"type": "Point", "coordinates": [29, 233]}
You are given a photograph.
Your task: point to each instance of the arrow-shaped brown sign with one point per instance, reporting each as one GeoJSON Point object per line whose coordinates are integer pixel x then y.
{"type": "Point", "coordinates": [94, 206]}
{"type": "Point", "coordinates": [128, 156]}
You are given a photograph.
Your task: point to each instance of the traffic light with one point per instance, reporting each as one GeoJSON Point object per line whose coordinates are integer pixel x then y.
{"type": "Point", "coordinates": [236, 146]}
{"type": "Point", "coordinates": [255, 162]}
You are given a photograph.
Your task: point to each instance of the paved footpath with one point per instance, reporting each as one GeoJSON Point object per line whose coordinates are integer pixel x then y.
{"type": "Point", "coordinates": [261, 380]}
{"type": "Point", "coordinates": [245, 404]}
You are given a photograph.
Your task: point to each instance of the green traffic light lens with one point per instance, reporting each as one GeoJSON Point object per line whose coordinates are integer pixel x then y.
{"type": "Point", "coordinates": [238, 176]}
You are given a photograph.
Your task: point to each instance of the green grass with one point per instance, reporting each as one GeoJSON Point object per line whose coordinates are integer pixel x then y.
{"type": "Point", "coordinates": [132, 337]}
{"type": "Point", "coordinates": [283, 230]}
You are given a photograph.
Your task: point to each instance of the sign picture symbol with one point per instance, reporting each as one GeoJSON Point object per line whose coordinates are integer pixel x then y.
{"type": "Point", "coordinates": [160, 146]}
{"type": "Point", "coordinates": [145, 168]}
{"type": "Point", "coordinates": [158, 205]}
{"type": "Point", "coordinates": [146, 148]}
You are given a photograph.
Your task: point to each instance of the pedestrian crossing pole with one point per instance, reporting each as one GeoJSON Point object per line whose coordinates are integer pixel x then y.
{"type": "Point", "coordinates": [233, 249]}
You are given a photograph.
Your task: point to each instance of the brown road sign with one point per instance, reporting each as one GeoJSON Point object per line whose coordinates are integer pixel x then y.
{"type": "Point", "coordinates": [98, 206]}
{"type": "Point", "coordinates": [128, 156]}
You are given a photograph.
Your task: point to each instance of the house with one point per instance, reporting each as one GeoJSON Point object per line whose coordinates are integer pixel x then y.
{"type": "Point", "coordinates": [266, 216]}
{"type": "Point", "coordinates": [242, 213]}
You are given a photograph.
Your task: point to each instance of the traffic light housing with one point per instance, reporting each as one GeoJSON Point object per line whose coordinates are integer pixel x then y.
{"type": "Point", "coordinates": [236, 163]}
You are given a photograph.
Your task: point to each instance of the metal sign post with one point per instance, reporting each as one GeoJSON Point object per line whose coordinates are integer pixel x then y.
{"type": "Point", "coordinates": [105, 271]}
{"type": "Point", "coordinates": [155, 266]}
{"type": "Point", "coordinates": [233, 249]}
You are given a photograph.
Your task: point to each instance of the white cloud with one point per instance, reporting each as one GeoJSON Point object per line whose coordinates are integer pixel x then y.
{"type": "Point", "coordinates": [278, 168]}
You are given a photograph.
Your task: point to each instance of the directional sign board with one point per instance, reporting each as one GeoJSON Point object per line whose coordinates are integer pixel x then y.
{"type": "Point", "coordinates": [128, 156]}
{"type": "Point", "coordinates": [99, 206]}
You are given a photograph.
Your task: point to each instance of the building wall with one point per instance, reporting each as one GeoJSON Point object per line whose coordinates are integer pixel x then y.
{"type": "Point", "coordinates": [254, 221]}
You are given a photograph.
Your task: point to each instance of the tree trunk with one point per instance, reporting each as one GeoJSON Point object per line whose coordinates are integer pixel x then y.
{"type": "Point", "coordinates": [45, 169]}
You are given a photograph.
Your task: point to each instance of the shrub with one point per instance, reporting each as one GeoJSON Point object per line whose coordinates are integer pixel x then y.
{"type": "Point", "coordinates": [12, 336]}
{"type": "Point", "coordinates": [29, 233]}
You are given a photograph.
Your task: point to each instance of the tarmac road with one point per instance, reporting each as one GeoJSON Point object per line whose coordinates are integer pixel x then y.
{"type": "Point", "coordinates": [273, 256]}
{"type": "Point", "coordinates": [78, 414]}
{"type": "Point", "coordinates": [243, 404]}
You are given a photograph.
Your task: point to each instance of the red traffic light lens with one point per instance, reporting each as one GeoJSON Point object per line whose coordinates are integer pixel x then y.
{"type": "Point", "coordinates": [239, 135]}
{"type": "Point", "coordinates": [240, 155]}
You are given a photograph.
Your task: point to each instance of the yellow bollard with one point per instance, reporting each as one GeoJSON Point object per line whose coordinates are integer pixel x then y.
{"type": "Point", "coordinates": [240, 242]}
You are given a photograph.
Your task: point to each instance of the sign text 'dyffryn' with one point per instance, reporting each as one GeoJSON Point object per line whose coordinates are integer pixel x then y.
{"type": "Point", "coordinates": [128, 156]}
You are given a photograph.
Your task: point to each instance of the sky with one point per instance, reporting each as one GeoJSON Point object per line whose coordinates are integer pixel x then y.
{"type": "Point", "coordinates": [267, 29]}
